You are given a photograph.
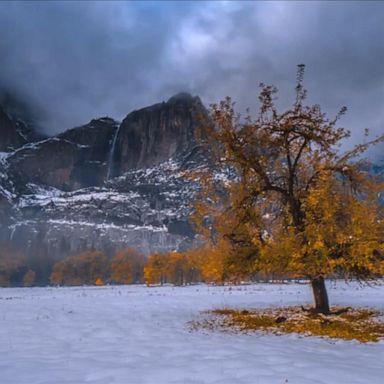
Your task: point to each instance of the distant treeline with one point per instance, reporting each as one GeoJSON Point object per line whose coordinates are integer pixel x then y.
{"type": "Point", "coordinates": [128, 266]}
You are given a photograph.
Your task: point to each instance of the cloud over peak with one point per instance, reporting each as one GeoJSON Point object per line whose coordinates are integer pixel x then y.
{"type": "Point", "coordinates": [79, 60]}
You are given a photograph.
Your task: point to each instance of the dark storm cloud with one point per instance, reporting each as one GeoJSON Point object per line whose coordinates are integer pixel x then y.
{"type": "Point", "coordinates": [78, 60]}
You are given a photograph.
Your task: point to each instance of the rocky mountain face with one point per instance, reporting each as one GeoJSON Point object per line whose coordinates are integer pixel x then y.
{"type": "Point", "coordinates": [72, 160]}
{"type": "Point", "coordinates": [102, 186]}
{"type": "Point", "coordinates": [156, 134]}
{"type": "Point", "coordinates": [13, 132]}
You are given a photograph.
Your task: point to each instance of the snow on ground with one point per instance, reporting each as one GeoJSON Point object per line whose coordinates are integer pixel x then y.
{"type": "Point", "coordinates": [138, 335]}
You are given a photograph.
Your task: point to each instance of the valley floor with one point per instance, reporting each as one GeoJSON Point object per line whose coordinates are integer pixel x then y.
{"type": "Point", "coordinates": [139, 335]}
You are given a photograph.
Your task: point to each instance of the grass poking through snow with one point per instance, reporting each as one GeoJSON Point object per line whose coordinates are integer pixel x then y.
{"type": "Point", "coordinates": [363, 325]}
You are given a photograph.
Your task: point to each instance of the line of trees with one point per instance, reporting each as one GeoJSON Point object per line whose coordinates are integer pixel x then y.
{"type": "Point", "coordinates": [128, 266]}
{"type": "Point", "coordinates": [85, 268]}
{"type": "Point", "coordinates": [14, 269]}
{"type": "Point", "coordinates": [207, 264]}
{"type": "Point", "coordinates": [94, 268]}
{"type": "Point", "coordinates": [213, 265]}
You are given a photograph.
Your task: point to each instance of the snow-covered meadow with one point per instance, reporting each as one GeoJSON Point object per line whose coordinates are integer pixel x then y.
{"type": "Point", "coordinates": [137, 335]}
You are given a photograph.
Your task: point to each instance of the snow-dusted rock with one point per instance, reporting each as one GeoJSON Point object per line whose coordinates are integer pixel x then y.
{"type": "Point", "coordinates": [103, 186]}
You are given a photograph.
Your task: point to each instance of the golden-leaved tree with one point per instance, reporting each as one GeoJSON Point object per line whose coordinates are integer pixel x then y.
{"type": "Point", "coordinates": [127, 266]}
{"type": "Point", "coordinates": [156, 270]}
{"type": "Point", "coordinates": [88, 267]}
{"type": "Point", "coordinates": [13, 266]}
{"type": "Point", "coordinates": [290, 200]}
{"type": "Point", "coordinates": [178, 268]}
{"type": "Point", "coordinates": [225, 218]}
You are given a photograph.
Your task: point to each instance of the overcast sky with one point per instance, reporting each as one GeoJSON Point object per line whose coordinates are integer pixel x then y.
{"type": "Point", "coordinates": [73, 61]}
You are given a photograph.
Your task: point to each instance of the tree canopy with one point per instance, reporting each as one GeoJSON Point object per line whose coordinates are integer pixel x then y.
{"type": "Point", "coordinates": [127, 266]}
{"type": "Point", "coordinates": [290, 200]}
{"type": "Point", "coordinates": [88, 267]}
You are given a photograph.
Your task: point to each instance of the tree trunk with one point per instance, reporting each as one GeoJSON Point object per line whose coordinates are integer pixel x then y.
{"type": "Point", "coordinates": [320, 295]}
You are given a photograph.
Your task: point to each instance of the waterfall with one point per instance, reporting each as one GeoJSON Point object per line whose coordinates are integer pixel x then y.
{"type": "Point", "coordinates": [111, 153]}
{"type": "Point", "coordinates": [14, 227]}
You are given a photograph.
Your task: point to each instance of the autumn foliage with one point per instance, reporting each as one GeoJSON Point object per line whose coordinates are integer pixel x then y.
{"type": "Point", "coordinates": [156, 270]}
{"type": "Point", "coordinates": [178, 268]}
{"type": "Point", "coordinates": [283, 198]}
{"type": "Point", "coordinates": [14, 269]}
{"type": "Point", "coordinates": [95, 268]}
{"type": "Point", "coordinates": [87, 267]}
{"type": "Point", "coordinates": [29, 278]}
{"type": "Point", "coordinates": [127, 267]}
{"type": "Point", "coordinates": [213, 265]}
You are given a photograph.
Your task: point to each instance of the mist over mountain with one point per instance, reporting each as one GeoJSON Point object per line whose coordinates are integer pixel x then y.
{"type": "Point", "coordinates": [72, 62]}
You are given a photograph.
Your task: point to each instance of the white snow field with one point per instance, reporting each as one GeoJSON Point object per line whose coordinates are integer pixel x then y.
{"type": "Point", "coordinates": [137, 335]}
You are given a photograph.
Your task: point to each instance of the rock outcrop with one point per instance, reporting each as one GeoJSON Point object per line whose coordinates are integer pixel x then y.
{"type": "Point", "coordinates": [103, 186]}
{"type": "Point", "coordinates": [156, 134]}
{"type": "Point", "coordinates": [75, 159]}
{"type": "Point", "coordinates": [13, 132]}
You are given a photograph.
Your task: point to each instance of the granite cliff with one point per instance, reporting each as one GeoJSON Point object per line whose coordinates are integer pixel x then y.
{"type": "Point", "coordinates": [104, 185]}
